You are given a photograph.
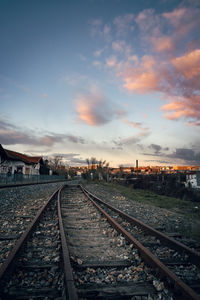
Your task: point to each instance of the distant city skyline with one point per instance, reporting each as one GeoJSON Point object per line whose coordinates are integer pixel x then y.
{"type": "Point", "coordinates": [116, 80]}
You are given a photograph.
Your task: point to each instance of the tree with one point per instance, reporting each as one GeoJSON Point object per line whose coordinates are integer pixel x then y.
{"type": "Point", "coordinates": [55, 163]}
{"type": "Point", "coordinates": [93, 162]}
{"type": "Point", "coordinates": [121, 170]}
{"type": "Point", "coordinates": [99, 172]}
{"type": "Point", "coordinates": [88, 162]}
{"type": "Point", "coordinates": [100, 166]}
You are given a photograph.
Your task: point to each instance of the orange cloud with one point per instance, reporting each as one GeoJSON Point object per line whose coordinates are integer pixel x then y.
{"type": "Point", "coordinates": [95, 109]}
{"type": "Point", "coordinates": [188, 108]}
{"type": "Point", "coordinates": [143, 131]}
{"type": "Point", "coordinates": [183, 19]}
{"type": "Point", "coordinates": [188, 64]}
{"type": "Point", "coordinates": [134, 124]}
{"type": "Point", "coordinates": [143, 83]}
{"type": "Point", "coordinates": [175, 78]}
{"type": "Point", "coordinates": [175, 17]}
{"type": "Point", "coordinates": [163, 44]}
{"type": "Point", "coordinates": [141, 77]}
{"type": "Point", "coordinates": [86, 113]}
{"type": "Point", "coordinates": [172, 66]}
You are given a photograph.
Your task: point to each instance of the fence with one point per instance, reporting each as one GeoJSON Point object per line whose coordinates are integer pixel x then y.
{"type": "Point", "coordinates": [21, 178]}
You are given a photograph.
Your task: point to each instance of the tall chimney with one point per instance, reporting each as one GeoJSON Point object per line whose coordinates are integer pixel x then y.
{"type": "Point", "coordinates": [136, 163]}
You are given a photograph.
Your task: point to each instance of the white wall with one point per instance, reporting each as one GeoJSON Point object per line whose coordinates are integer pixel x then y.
{"type": "Point", "coordinates": [191, 181]}
{"type": "Point", "coordinates": [33, 169]}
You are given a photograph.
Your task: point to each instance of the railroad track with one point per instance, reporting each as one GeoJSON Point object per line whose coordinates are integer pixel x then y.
{"type": "Point", "coordinates": [175, 261]}
{"type": "Point", "coordinates": [33, 269]}
{"type": "Point", "coordinates": [97, 261]}
{"type": "Point", "coordinates": [101, 259]}
{"type": "Point", "coordinates": [19, 206]}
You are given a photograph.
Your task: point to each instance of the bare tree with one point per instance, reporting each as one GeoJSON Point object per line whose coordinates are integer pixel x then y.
{"type": "Point", "coordinates": [99, 168]}
{"type": "Point", "coordinates": [56, 162]}
{"type": "Point", "coordinates": [121, 170]}
{"type": "Point", "coordinates": [107, 171]}
{"type": "Point", "coordinates": [88, 162]}
{"type": "Point", "coordinates": [93, 161]}
{"type": "Point", "coordinates": [103, 169]}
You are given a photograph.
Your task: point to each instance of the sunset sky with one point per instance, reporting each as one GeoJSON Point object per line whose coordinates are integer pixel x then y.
{"type": "Point", "coordinates": [118, 80]}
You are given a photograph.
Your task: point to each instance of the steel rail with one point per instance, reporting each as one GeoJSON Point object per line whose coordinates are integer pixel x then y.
{"type": "Point", "coordinates": [168, 241]}
{"type": "Point", "coordinates": [6, 266]}
{"type": "Point", "coordinates": [180, 288]}
{"type": "Point", "coordinates": [69, 280]}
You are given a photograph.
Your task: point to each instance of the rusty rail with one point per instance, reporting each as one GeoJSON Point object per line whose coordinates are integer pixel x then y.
{"type": "Point", "coordinates": [5, 268]}
{"type": "Point", "coordinates": [180, 288]}
{"type": "Point", "coordinates": [168, 241]}
{"type": "Point", "coordinates": [69, 280]}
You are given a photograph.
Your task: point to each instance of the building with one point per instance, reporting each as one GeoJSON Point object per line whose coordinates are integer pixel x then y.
{"type": "Point", "coordinates": [13, 162]}
{"type": "Point", "coordinates": [186, 168]}
{"type": "Point", "coordinates": [193, 180]}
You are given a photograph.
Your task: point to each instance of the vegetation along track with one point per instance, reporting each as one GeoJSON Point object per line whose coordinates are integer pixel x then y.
{"type": "Point", "coordinates": [176, 262]}
{"type": "Point", "coordinates": [33, 268]}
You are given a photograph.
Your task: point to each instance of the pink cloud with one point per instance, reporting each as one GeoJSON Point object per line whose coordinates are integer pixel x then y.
{"type": "Point", "coordinates": [175, 110]}
{"type": "Point", "coordinates": [134, 124]}
{"type": "Point", "coordinates": [183, 19]}
{"type": "Point", "coordinates": [164, 70]}
{"type": "Point", "coordinates": [170, 60]}
{"type": "Point", "coordinates": [163, 44]}
{"type": "Point", "coordinates": [188, 108]}
{"type": "Point", "coordinates": [175, 17]}
{"type": "Point", "coordinates": [141, 77]}
{"type": "Point", "coordinates": [143, 131]}
{"type": "Point", "coordinates": [143, 82]}
{"type": "Point", "coordinates": [189, 64]}
{"type": "Point", "coordinates": [95, 109]}
{"type": "Point", "coordinates": [87, 110]}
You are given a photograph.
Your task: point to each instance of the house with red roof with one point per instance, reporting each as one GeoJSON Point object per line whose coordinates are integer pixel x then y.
{"type": "Point", "coordinates": [14, 162]}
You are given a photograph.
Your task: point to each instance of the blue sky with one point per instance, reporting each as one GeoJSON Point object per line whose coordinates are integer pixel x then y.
{"type": "Point", "coordinates": [116, 80]}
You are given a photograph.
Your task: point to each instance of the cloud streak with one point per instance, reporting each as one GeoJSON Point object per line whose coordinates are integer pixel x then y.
{"type": "Point", "coordinates": [13, 135]}
{"type": "Point", "coordinates": [134, 139]}
{"type": "Point", "coordinates": [188, 156]}
{"type": "Point", "coordinates": [179, 155]}
{"type": "Point", "coordinates": [71, 158]}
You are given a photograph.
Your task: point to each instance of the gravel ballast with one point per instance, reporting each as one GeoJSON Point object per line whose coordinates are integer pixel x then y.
{"type": "Point", "coordinates": [159, 218]}
{"type": "Point", "coordinates": [19, 205]}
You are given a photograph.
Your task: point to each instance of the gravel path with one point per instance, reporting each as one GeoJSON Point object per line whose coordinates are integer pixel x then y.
{"type": "Point", "coordinates": [159, 218]}
{"type": "Point", "coordinates": [19, 205]}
